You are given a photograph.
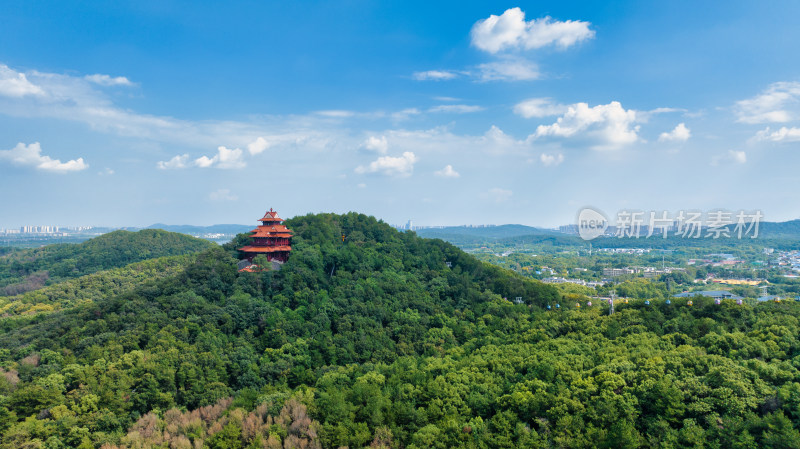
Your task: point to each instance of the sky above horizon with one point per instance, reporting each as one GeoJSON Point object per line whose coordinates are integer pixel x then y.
{"type": "Point", "coordinates": [445, 113]}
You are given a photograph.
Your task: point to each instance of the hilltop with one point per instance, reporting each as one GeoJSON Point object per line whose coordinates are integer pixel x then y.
{"type": "Point", "coordinates": [386, 340]}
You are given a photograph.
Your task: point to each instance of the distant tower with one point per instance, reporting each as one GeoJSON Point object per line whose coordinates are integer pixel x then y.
{"type": "Point", "coordinates": [271, 239]}
{"type": "Point", "coordinates": [409, 226]}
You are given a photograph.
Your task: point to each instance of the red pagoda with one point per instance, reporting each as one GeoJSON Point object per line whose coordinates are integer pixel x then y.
{"type": "Point", "coordinates": [271, 239]}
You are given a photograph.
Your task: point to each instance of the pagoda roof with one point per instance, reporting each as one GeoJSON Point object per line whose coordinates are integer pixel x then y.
{"type": "Point", "coordinates": [270, 215]}
{"type": "Point", "coordinates": [271, 231]}
{"type": "Point", "coordinates": [265, 249]}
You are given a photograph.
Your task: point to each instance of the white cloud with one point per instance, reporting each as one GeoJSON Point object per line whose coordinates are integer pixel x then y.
{"type": "Point", "coordinates": [31, 155]}
{"type": "Point", "coordinates": [376, 144]}
{"type": "Point", "coordinates": [498, 142]}
{"type": "Point", "coordinates": [447, 172]}
{"type": "Point", "coordinates": [225, 158]}
{"type": "Point", "coordinates": [362, 186]}
{"type": "Point", "coordinates": [511, 31]}
{"type": "Point", "coordinates": [551, 159]}
{"type": "Point", "coordinates": [391, 166]}
{"type": "Point", "coordinates": [106, 172]}
{"type": "Point", "coordinates": [176, 162]}
{"type": "Point", "coordinates": [777, 104]}
{"type": "Point", "coordinates": [732, 156]}
{"type": "Point", "coordinates": [508, 69]}
{"type": "Point", "coordinates": [498, 195]}
{"type": "Point", "coordinates": [222, 195]}
{"type": "Point", "coordinates": [784, 134]}
{"type": "Point", "coordinates": [405, 114]}
{"type": "Point", "coordinates": [441, 140]}
{"type": "Point", "coordinates": [257, 146]}
{"type": "Point", "coordinates": [539, 107]}
{"type": "Point", "coordinates": [441, 98]}
{"type": "Point", "coordinates": [738, 156]}
{"type": "Point", "coordinates": [665, 111]}
{"type": "Point", "coordinates": [680, 134]}
{"type": "Point", "coordinates": [610, 125]}
{"type": "Point", "coordinates": [456, 108]}
{"type": "Point", "coordinates": [336, 113]}
{"type": "Point", "coordinates": [106, 80]}
{"type": "Point", "coordinates": [434, 75]}
{"type": "Point", "coordinates": [16, 84]}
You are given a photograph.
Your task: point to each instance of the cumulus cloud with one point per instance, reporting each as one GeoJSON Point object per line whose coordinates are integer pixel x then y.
{"type": "Point", "coordinates": [31, 155]}
{"type": "Point", "coordinates": [731, 157]}
{"type": "Point", "coordinates": [783, 134]}
{"type": "Point", "coordinates": [539, 107]}
{"type": "Point", "coordinates": [498, 195]}
{"type": "Point", "coordinates": [225, 158]}
{"type": "Point", "coordinates": [510, 31]}
{"type": "Point", "coordinates": [401, 166]}
{"type": "Point", "coordinates": [610, 125]}
{"type": "Point", "coordinates": [777, 104]}
{"type": "Point", "coordinates": [107, 80]}
{"type": "Point", "coordinates": [222, 195]}
{"type": "Point", "coordinates": [434, 75]}
{"type": "Point", "coordinates": [16, 84]}
{"type": "Point", "coordinates": [376, 144]}
{"type": "Point", "coordinates": [508, 69]}
{"type": "Point", "coordinates": [176, 162]}
{"type": "Point", "coordinates": [447, 172]}
{"type": "Point", "coordinates": [680, 134]}
{"type": "Point", "coordinates": [257, 146]}
{"type": "Point", "coordinates": [495, 141]}
{"type": "Point", "coordinates": [551, 159]}
{"type": "Point", "coordinates": [456, 108]}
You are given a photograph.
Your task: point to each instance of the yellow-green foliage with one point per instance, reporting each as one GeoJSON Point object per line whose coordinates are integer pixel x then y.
{"type": "Point", "coordinates": [90, 288]}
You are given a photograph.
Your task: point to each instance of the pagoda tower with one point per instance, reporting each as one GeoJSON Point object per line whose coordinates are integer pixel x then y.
{"type": "Point", "coordinates": [271, 239]}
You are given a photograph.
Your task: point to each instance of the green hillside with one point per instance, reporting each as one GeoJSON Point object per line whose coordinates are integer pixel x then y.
{"type": "Point", "coordinates": [377, 342]}
{"type": "Point", "coordinates": [25, 270]}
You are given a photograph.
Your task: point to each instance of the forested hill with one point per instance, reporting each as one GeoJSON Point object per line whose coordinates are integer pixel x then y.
{"type": "Point", "coordinates": [376, 342]}
{"type": "Point", "coordinates": [29, 269]}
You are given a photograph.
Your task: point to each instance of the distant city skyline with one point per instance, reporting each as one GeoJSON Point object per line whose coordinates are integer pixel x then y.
{"type": "Point", "coordinates": [129, 114]}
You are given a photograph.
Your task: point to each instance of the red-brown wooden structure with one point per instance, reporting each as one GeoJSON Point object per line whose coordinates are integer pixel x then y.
{"type": "Point", "coordinates": [271, 239]}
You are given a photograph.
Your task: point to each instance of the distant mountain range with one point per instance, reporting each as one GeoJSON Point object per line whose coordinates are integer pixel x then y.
{"type": "Point", "coordinates": [464, 234]}
{"type": "Point", "coordinates": [489, 232]}
{"type": "Point", "coordinates": [199, 230]}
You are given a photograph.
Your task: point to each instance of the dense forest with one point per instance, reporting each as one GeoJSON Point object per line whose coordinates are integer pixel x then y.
{"type": "Point", "coordinates": [29, 269]}
{"type": "Point", "coordinates": [378, 340]}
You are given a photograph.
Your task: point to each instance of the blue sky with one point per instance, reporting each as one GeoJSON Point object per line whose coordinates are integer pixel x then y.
{"type": "Point", "coordinates": [127, 114]}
